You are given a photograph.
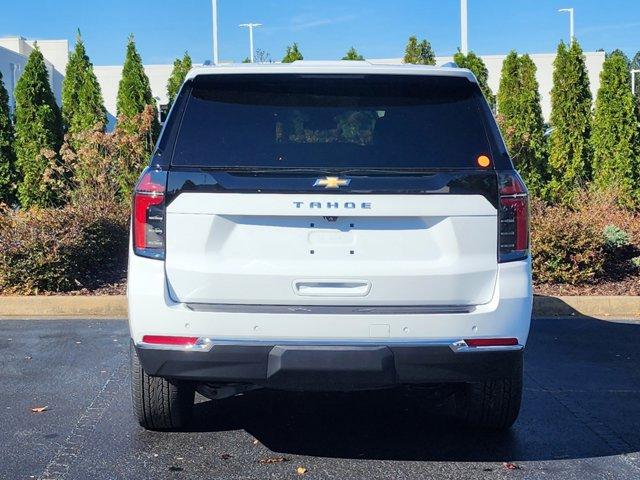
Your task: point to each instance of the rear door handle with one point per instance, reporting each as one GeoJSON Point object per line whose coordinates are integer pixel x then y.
{"type": "Point", "coordinates": [332, 288]}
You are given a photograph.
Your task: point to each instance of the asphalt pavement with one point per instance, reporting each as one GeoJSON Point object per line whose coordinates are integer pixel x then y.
{"type": "Point", "coordinates": [580, 417]}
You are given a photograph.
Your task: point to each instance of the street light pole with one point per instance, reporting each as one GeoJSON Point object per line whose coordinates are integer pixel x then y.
{"type": "Point", "coordinates": [214, 31]}
{"type": "Point", "coordinates": [464, 45]}
{"type": "Point", "coordinates": [571, 31]}
{"type": "Point", "coordinates": [250, 26]}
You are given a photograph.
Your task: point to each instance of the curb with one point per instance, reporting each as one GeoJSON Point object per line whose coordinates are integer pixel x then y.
{"type": "Point", "coordinates": [587, 306]}
{"type": "Point", "coordinates": [115, 306]}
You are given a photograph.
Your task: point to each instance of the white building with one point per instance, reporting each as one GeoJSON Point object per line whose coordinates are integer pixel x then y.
{"type": "Point", "coordinates": [109, 79]}
{"type": "Point", "coordinates": [15, 50]}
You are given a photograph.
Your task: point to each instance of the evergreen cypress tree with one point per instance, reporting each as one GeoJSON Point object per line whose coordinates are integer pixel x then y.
{"type": "Point", "coordinates": [635, 65]}
{"type": "Point", "coordinates": [7, 154]}
{"type": "Point", "coordinates": [293, 53]}
{"type": "Point", "coordinates": [615, 138]}
{"type": "Point", "coordinates": [569, 156]}
{"type": "Point", "coordinates": [474, 63]}
{"type": "Point", "coordinates": [181, 67]}
{"type": "Point", "coordinates": [507, 99]}
{"type": "Point", "coordinates": [619, 52]}
{"type": "Point", "coordinates": [533, 155]}
{"type": "Point", "coordinates": [419, 53]}
{"type": "Point", "coordinates": [352, 54]}
{"type": "Point", "coordinates": [520, 119]}
{"type": "Point", "coordinates": [134, 93]}
{"type": "Point", "coordinates": [82, 104]}
{"type": "Point", "coordinates": [38, 129]}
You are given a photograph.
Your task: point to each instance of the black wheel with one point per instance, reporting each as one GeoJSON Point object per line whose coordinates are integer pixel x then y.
{"type": "Point", "coordinates": [159, 404]}
{"type": "Point", "coordinates": [493, 404]}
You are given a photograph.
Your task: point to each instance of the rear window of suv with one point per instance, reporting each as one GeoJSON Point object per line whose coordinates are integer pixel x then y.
{"type": "Point", "coordinates": [331, 121]}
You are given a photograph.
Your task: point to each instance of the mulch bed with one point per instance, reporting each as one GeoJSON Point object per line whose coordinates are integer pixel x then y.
{"type": "Point", "coordinates": [627, 286]}
{"type": "Point", "coordinates": [630, 286]}
{"type": "Point", "coordinates": [114, 282]}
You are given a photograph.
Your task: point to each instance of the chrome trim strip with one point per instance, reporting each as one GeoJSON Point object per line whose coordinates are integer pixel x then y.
{"type": "Point", "coordinates": [461, 347]}
{"type": "Point", "coordinates": [330, 310]}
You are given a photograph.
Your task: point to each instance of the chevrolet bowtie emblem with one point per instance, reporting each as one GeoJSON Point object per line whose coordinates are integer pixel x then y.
{"type": "Point", "coordinates": [332, 182]}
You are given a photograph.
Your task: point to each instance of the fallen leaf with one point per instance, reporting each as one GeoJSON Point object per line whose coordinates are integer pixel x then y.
{"type": "Point", "coordinates": [510, 466]}
{"type": "Point", "coordinates": [226, 456]}
{"type": "Point", "coordinates": [274, 460]}
{"type": "Point", "coordinates": [301, 470]}
{"type": "Point", "coordinates": [40, 409]}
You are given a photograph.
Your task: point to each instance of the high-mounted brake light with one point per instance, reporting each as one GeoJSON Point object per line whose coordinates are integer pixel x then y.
{"type": "Point", "coordinates": [149, 214]}
{"type": "Point", "coordinates": [513, 232]}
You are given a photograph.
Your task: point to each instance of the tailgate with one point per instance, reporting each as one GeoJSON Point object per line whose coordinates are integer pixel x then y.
{"type": "Point", "coordinates": [306, 249]}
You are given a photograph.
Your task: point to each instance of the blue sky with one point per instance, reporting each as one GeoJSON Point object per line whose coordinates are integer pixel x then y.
{"type": "Point", "coordinates": [324, 29]}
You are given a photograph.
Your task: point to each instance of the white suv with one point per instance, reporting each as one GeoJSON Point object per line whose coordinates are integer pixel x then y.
{"type": "Point", "coordinates": [329, 226]}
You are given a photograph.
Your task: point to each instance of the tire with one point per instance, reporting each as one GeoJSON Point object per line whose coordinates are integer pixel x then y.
{"type": "Point", "coordinates": [492, 404]}
{"type": "Point", "coordinates": [159, 404]}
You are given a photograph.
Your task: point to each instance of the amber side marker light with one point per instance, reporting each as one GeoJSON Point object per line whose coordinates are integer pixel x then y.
{"type": "Point", "coordinates": [484, 161]}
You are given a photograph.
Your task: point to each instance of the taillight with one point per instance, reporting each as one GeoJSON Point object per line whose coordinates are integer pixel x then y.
{"type": "Point", "coordinates": [148, 214]}
{"type": "Point", "coordinates": [513, 233]}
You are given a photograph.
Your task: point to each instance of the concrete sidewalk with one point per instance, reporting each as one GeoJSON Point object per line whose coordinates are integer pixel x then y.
{"type": "Point", "coordinates": [116, 306]}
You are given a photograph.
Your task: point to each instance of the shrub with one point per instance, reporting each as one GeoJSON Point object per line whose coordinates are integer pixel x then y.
{"type": "Point", "coordinates": [566, 247]}
{"type": "Point", "coordinates": [615, 238]}
{"type": "Point", "coordinates": [105, 165]}
{"type": "Point", "coordinates": [57, 250]}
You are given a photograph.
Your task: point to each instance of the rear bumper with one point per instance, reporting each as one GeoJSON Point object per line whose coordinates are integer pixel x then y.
{"type": "Point", "coordinates": [330, 367]}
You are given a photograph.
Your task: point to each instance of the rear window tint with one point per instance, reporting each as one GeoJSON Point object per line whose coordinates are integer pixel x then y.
{"type": "Point", "coordinates": [331, 121]}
